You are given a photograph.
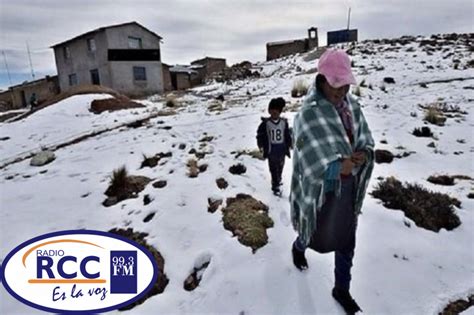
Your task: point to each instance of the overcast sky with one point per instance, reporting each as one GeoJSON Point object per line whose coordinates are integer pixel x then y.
{"type": "Point", "coordinates": [236, 30]}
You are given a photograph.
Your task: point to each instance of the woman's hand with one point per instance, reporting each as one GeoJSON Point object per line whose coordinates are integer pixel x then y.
{"type": "Point", "coordinates": [359, 158]}
{"type": "Point", "coordinates": [347, 166]}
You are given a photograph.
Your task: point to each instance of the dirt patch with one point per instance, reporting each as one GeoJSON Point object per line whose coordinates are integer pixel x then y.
{"type": "Point", "coordinates": [458, 306]}
{"type": "Point", "coordinates": [444, 180]}
{"type": "Point", "coordinates": [193, 280]}
{"type": "Point", "coordinates": [152, 161]}
{"type": "Point", "coordinates": [113, 104]}
{"type": "Point", "coordinates": [162, 280]}
{"type": "Point", "coordinates": [430, 210]}
{"type": "Point", "coordinates": [422, 132]}
{"type": "Point", "coordinates": [238, 169]}
{"type": "Point", "coordinates": [149, 217]}
{"type": "Point", "coordinates": [123, 186]}
{"type": "Point", "coordinates": [383, 156]}
{"type": "Point", "coordinates": [247, 218]}
{"type": "Point", "coordinates": [147, 200]}
{"type": "Point", "coordinates": [447, 180]}
{"type": "Point", "coordinates": [160, 184]}
{"type": "Point", "coordinates": [221, 183]}
{"type": "Point", "coordinates": [213, 204]}
{"type": "Point", "coordinates": [206, 139]}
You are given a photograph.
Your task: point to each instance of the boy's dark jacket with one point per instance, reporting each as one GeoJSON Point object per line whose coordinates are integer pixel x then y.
{"type": "Point", "coordinates": [262, 137]}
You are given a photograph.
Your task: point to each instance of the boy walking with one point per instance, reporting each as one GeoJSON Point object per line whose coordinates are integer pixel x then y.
{"type": "Point", "coordinates": [274, 140]}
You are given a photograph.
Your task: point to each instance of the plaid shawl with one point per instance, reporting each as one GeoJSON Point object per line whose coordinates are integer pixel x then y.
{"type": "Point", "coordinates": [320, 138]}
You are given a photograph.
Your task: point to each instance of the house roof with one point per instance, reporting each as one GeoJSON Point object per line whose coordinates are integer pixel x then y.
{"type": "Point", "coordinates": [206, 58]}
{"type": "Point", "coordinates": [182, 69]}
{"type": "Point", "coordinates": [26, 83]}
{"type": "Point", "coordinates": [284, 42]}
{"type": "Point", "coordinates": [100, 29]}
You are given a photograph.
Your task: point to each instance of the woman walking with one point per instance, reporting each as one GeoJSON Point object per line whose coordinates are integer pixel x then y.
{"type": "Point", "coordinates": [332, 165]}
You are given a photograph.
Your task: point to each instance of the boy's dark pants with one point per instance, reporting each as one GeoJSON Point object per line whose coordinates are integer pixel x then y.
{"type": "Point", "coordinates": [276, 163]}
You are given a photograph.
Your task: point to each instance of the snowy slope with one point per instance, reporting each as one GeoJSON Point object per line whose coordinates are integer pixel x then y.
{"type": "Point", "coordinates": [439, 267]}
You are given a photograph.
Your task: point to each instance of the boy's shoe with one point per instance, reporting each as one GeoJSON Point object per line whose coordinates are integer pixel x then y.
{"type": "Point", "coordinates": [277, 192]}
{"type": "Point", "coordinates": [344, 298]}
{"type": "Point", "coordinates": [299, 260]}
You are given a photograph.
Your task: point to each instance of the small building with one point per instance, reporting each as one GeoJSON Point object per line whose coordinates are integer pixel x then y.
{"type": "Point", "coordinates": [167, 85]}
{"type": "Point", "coordinates": [125, 57]}
{"type": "Point", "coordinates": [20, 96]}
{"type": "Point", "coordinates": [210, 66]}
{"type": "Point", "coordinates": [184, 77]}
{"type": "Point", "coordinates": [342, 36]}
{"type": "Point", "coordinates": [294, 46]}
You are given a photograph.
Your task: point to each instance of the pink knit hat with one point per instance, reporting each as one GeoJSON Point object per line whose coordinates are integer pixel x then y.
{"type": "Point", "coordinates": [335, 65]}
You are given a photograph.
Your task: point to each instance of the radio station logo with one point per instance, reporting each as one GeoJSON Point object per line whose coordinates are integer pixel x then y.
{"type": "Point", "coordinates": [78, 271]}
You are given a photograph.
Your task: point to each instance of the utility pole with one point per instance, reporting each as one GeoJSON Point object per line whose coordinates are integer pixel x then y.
{"type": "Point", "coordinates": [31, 64]}
{"type": "Point", "coordinates": [349, 19]}
{"type": "Point", "coordinates": [6, 66]}
{"type": "Point", "coordinates": [9, 79]}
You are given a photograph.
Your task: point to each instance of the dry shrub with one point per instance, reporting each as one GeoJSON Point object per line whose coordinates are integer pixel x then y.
{"type": "Point", "coordinates": [434, 116]}
{"type": "Point", "coordinates": [171, 101]}
{"type": "Point", "coordinates": [118, 180]}
{"type": "Point", "coordinates": [193, 169]}
{"type": "Point", "coordinates": [255, 153]}
{"type": "Point", "coordinates": [124, 186]}
{"type": "Point", "coordinates": [300, 88]}
{"type": "Point", "coordinates": [430, 210]}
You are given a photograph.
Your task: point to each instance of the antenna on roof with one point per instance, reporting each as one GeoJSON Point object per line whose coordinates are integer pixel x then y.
{"type": "Point", "coordinates": [349, 18]}
{"type": "Point", "coordinates": [6, 66]}
{"type": "Point", "coordinates": [31, 64]}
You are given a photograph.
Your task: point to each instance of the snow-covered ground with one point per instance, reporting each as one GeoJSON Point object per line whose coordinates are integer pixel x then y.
{"type": "Point", "coordinates": [397, 269]}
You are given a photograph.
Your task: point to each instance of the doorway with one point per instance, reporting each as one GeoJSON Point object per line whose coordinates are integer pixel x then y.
{"type": "Point", "coordinates": [95, 77]}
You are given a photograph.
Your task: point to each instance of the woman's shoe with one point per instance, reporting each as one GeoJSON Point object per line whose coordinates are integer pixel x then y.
{"type": "Point", "coordinates": [344, 298]}
{"type": "Point", "coordinates": [298, 258]}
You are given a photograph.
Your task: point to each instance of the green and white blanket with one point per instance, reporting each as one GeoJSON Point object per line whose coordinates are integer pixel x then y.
{"type": "Point", "coordinates": [320, 138]}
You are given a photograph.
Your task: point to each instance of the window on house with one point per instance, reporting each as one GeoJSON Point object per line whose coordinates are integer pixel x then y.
{"type": "Point", "coordinates": [91, 44]}
{"type": "Point", "coordinates": [134, 42]}
{"type": "Point", "coordinates": [72, 79]}
{"type": "Point", "coordinates": [67, 52]}
{"type": "Point", "coordinates": [139, 73]}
